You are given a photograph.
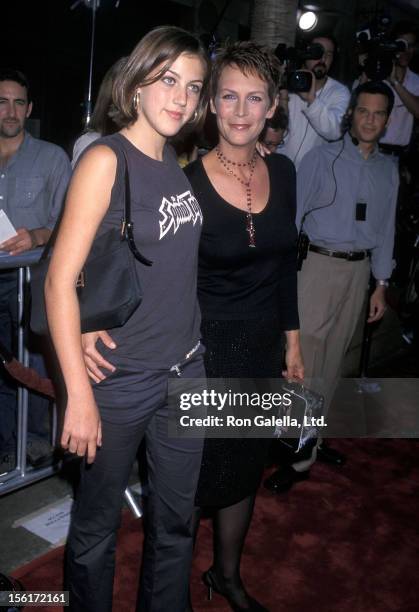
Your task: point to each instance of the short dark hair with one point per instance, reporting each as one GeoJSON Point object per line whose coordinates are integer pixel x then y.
{"type": "Point", "coordinates": [11, 74]}
{"type": "Point", "coordinates": [250, 58]}
{"type": "Point", "coordinates": [327, 35]}
{"type": "Point", "coordinates": [404, 27]}
{"type": "Point", "coordinates": [372, 87]}
{"type": "Point", "coordinates": [159, 48]}
{"type": "Point", "coordinates": [278, 121]}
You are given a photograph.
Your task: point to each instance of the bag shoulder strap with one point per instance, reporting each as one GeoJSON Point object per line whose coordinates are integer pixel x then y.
{"type": "Point", "coordinates": [127, 229]}
{"type": "Point", "coordinates": [127, 225]}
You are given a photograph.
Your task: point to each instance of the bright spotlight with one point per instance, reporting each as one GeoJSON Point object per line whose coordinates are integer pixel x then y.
{"type": "Point", "coordinates": [307, 21]}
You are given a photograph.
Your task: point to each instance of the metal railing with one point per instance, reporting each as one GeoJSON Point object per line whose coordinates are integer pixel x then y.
{"type": "Point", "coordinates": [24, 474]}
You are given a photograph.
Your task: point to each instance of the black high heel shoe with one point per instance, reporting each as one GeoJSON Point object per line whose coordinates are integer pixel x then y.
{"type": "Point", "coordinates": [210, 582]}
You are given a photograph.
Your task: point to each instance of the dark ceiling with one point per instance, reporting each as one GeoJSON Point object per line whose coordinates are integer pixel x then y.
{"type": "Point", "coordinates": [409, 5]}
{"type": "Point", "coordinates": [51, 44]}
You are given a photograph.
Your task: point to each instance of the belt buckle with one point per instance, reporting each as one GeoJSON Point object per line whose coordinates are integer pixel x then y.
{"type": "Point", "coordinates": [357, 255]}
{"type": "Point", "coordinates": [349, 255]}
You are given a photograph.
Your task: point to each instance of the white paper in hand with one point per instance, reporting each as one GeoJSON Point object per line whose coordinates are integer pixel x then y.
{"type": "Point", "coordinates": [6, 228]}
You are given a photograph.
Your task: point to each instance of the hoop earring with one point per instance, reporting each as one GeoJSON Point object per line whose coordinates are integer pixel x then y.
{"type": "Point", "coordinates": [195, 115]}
{"type": "Point", "coordinates": [136, 100]}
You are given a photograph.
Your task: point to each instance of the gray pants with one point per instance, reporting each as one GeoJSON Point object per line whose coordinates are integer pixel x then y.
{"type": "Point", "coordinates": [173, 468]}
{"type": "Point", "coordinates": [331, 293]}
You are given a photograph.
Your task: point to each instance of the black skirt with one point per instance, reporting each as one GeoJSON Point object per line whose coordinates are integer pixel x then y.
{"type": "Point", "coordinates": [231, 469]}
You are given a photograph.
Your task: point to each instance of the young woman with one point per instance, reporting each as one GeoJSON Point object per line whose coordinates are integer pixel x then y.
{"type": "Point", "coordinates": [159, 89]}
{"type": "Point", "coordinates": [246, 286]}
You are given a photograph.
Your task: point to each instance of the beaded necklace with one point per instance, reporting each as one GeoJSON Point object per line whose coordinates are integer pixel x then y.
{"type": "Point", "coordinates": [227, 163]}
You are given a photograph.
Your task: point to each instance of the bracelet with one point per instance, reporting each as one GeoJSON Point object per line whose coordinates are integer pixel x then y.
{"type": "Point", "coordinates": [382, 283]}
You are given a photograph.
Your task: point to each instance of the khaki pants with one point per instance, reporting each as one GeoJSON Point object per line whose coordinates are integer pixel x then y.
{"type": "Point", "coordinates": [331, 294]}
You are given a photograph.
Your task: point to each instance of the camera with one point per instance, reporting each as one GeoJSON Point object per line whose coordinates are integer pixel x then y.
{"type": "Point", "coordinates": [297, 80]}
{"type": "Point", "coordinates": [380, 51]}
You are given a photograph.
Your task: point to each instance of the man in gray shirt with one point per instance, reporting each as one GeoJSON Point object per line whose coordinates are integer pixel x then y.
{"type": "Point", "coordinates": [33, 180]}
{"type": "Point", "coordinates": [346, 204]}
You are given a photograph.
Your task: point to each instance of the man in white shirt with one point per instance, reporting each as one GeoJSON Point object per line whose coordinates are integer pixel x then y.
{"type": "Point", "coordinates": [405, 85]}
{"type": "Point", "coordinates": [315, 116]}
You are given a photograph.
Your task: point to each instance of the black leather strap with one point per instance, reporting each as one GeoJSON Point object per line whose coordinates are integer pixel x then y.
{"type": "Point", "coordinates": [127, 230]}
{"type": "Point", "coordinates": [348, 255]}
{"type": "Point", "coordinates": [127, 224]}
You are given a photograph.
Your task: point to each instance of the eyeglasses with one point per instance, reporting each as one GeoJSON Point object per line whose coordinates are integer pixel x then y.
{"type": "Point", "coordinates": [273, 144]}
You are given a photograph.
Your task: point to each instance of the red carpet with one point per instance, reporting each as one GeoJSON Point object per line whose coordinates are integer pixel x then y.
{"type": "Point", "coordinates": [347, 540]}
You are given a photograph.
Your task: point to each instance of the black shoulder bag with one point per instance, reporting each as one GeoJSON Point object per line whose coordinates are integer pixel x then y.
{"type": "Point", "coordinates": [108, 287]}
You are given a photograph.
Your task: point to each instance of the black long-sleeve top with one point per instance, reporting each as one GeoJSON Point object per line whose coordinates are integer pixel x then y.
{"type": "Point", "coordinates": [236, 281]}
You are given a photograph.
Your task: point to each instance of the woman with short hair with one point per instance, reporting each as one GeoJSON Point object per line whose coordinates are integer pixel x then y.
{"type": "Point", "coordinates": [247, 288]}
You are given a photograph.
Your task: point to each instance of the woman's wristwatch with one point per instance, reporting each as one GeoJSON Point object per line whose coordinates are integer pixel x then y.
{"type": "Point", "coordinates": [382, 283]}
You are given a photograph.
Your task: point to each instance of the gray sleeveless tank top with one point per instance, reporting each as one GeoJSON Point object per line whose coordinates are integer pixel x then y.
{"type": "Point", "coordinates": [167, 226]}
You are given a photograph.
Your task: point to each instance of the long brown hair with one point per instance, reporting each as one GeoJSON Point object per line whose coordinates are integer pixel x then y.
{"type": "Point", "coordinates": [157, 49]}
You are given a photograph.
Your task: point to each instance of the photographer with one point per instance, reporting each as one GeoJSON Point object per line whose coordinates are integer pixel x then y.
{"type": "Point", "coordinates": [405, 85]}
{"type": "Point", "coordinates": [315, 116]}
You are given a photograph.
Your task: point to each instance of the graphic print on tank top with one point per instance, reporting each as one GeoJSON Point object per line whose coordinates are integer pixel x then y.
{"type": "Point", "coordinates": [183, 208]}
{"type": "Point", "coordinates": [167, 223]}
